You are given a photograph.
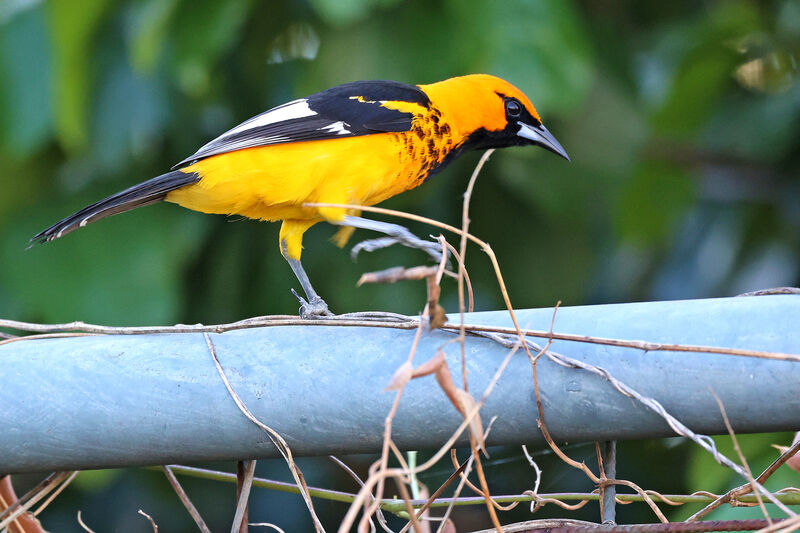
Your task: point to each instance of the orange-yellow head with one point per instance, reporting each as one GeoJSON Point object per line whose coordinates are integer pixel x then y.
{"type": "Point", "coordinates": [488, 112]}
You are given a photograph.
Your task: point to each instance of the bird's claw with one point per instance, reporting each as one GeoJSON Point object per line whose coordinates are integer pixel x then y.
{"type": "Point", "coordinates": [433, 249]}
{"type": "Point", "coordinates": [316, 308]}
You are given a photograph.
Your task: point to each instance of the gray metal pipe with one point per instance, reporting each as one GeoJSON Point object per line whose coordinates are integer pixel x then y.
{"type": "Point", "coordinates": [110, 401]}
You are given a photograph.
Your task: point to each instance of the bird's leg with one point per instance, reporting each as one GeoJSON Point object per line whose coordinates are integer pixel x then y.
{"type": "Point", "coordinates": [314, 305]}
{"type": "Point", "coordinates": [396, 234]}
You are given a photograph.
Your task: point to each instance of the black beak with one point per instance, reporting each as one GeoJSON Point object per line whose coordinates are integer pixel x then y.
{"type": "Point", "coordinates": [540, 136]}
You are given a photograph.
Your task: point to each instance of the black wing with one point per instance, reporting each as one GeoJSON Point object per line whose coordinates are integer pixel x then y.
{"type": "Point", "coordinates": [347, 110]}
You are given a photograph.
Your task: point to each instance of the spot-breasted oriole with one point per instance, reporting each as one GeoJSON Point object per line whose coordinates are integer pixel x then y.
{"type": "Point", "coordinates": [358, 143]}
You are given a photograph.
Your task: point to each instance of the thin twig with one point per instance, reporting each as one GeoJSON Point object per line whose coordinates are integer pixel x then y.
{"type": "Point", "coordinates": [352, 474]}
{"type": "Point", "coordinates": [457, 493]}
{"type": "Point", "coordinates": [546, 433]}
{"type": "Point", "coordinates": [741, 490]}
{"type": "Point", "coordinates": [784, 526]}
{"type": "Point", "coordinates": [601, 487]}
{"type": "Point", "coordinates": [413, 481]}
{"type": "Point", "coordinates": [29, 499]}
{"type": "Point", "coordinates": [543, 426]}
{"type": "Point", "coordinates": [43, 336]}
{"type": "Point", "coordinates": [412, 516]}
{"type": "Point", "coordinates": [646, 497]}
{"type": "Point", "coordinates": [240, 475]}
{"type": "Point", "coordinates": [432, 498]}
{"type": "Point", "coordinates": [193, 512]}
{"type": "Point", "coordinates": [82, 524]}
{"type": "Point", "coordinates": [703, 441]}
{"type": "Point", "coordinates": [645, 346]}
{"type": "Point", "coordinates": [540, 408]}
{"type": "Point", "coordinates": [55, 494]}
{"type": "Point", "coordinates": [789, 495]}
{"type": "Point", "coordinates": [377, 320]}
{"type": "Point", "coordinates": [462, 266]}
{"type": "Point", "coordinates": [395, 274]}
{"type": "Point", "coordinates": [462, 254]}
{"type": "Point", "coordinates": [397, 505]}
{"type": "Point", "coordinates": [275, 437]}
{"type": "Point", "coordinates": [383, 462]}
{"type": "Point", "coordinates": [475, 489]}
{"type": "Point", "coordinates": [540, 500]}
{"type": "Point", "coordinates": [150, 518]}
{"type": "Point", "coordinates": [736, 447]}
{"type": "Point", "coordinates": [282, 486]}
{"type": "Point", "coordinates": [404, 465]}
{"type": "Point", "coordinates": [463, 472]}
{"type": "Point", "coordinates": [267, 524]}
{"type": "Point", "coordinates": [468, 416]}
{"type": "Point", "coordinates": [240, 517]}
{"type": "Point", "coordinates": [535, 467]}
{"type": "Point", "coordinates": [484, 484]}
{"type": "Point", "coordinates": [467, 280]}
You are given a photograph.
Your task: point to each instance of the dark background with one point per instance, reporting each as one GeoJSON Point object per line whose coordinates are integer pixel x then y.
{"type": "Point", "coordinates": [681, 119]}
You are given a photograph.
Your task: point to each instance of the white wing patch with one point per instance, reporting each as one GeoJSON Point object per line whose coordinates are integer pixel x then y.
{"type": "Point", "coordinates": [339, 128]}
{"type": "Point", "coordinates": [287, 111]}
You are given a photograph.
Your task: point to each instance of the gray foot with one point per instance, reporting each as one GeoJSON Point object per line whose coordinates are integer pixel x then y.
{"type": "Point", "coordinates": [432, 248]}
{"type": "Point", "coordinates": [312, 309]}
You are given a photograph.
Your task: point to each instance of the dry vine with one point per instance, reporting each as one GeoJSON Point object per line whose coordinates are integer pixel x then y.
{"type": "Point", "coordinates": [370, 500]}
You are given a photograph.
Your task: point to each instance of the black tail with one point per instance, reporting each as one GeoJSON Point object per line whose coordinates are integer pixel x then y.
{"type": "Point", "coordinates": [148, 192]}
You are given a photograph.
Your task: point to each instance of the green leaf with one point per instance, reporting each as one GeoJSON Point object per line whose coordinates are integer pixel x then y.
{"type": "Point", "coordinates": [72, 33]}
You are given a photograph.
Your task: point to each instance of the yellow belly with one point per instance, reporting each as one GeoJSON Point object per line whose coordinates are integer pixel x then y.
{"type": "Point", "coordinates": [273, 182]}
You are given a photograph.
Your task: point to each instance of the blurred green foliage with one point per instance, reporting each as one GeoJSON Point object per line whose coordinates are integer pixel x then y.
{"type": "Point", "coordinates": [681, 119]}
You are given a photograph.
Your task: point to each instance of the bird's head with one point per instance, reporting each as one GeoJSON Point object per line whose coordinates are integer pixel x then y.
{"type": "Point", "coordinates": [489, 112]}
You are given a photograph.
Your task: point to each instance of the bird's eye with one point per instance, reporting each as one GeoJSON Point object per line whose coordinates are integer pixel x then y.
{"type": "Point", "coordinates": [513, 108]}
